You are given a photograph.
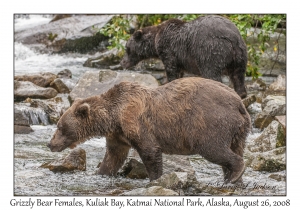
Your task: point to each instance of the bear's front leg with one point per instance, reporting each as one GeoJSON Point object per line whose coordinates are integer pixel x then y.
{"type": "Point", "coordinates": [115, 155]}
{"type": "Point", "coordinates": [172, 70]}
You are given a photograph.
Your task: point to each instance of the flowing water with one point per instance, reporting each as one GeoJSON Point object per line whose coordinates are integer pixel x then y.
{"type": "Point", "coordinates": [30, 150]}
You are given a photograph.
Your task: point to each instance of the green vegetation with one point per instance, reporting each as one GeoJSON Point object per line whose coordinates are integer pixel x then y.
{"type": "Point", "coordinates": [249, 25]}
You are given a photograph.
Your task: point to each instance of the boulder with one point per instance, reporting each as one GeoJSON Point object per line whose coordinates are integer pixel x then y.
{"type": "Point", "coordinates": [41, 79]}
{"type": "Point", "coordinates": [257, 84]}
{"type": "Point", "coordinates": [20, 129]}
{"type": "Point", "coordinates": [23, 90]}
{"type": "Point", "coordinates": [271, 138]}
{"type": "Point", "coordinates": [54, 108]}
{"type": "Point", "coordinates": [152, 64]}
{"type": "Point", "coordinates": [278, 87]}
{"type": "Point", "coordinates": [151, 191]}
{"type": "Point", "coordinates": [86, 25]}
{"type": "Point", "coordinates": [250, 99]}
{"type": "Point", "coordinates": [134, 169]}
{"type": "Point", "coordinates": [76, 160]}
{"type": "Point", "coordinates": [21, 123]}
{"type": "Point", "coordinates": [66, 73]}
{"type": "Point", "coordinates": [271, 106]}
{"type": "Point", "coordinates": [174, 180]}
{"type": "Point", "coordinates": [97, 82]}
{"type": "Point", "coordinates": [105, 60]}
{"type": "Point", "coordinates": [59, 86]}
{"type": "Point", "coordinates": [278, 177]}
{"type": "Point", "coordinates": [271, 161]}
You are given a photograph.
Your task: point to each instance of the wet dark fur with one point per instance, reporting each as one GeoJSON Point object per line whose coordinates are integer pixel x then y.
{"type": "Point", "coordinates": [209, 46]}
{"type": "Point", "coordinates": [186, 116]}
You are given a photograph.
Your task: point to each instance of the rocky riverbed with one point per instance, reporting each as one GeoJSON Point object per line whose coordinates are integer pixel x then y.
{"type": "Point", "coordinates": [46, 84]}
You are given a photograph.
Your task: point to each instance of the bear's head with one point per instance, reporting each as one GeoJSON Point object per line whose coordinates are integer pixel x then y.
{"type": "Point", "coordinates": [141, 45]}
{"type": "Point", "coordinates": [72, 128]}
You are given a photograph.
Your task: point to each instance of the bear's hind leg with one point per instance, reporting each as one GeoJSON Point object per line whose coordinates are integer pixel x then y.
{"type": "Point", "coordinates": [152, 159]}
{"type": "Point", "coordinates": [232, 164]}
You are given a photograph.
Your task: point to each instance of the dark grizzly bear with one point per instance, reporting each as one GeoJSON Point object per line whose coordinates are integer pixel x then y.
{"type": "Point", "coordinates": [186, 116]}
{"type": "Point", "coordinates": [208, 46]}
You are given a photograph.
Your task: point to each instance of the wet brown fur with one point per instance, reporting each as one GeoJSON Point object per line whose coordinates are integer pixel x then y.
{"type": "Point", "coordinates": [186, 116]}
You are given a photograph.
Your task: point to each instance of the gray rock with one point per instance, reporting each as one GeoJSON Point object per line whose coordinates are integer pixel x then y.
{"type": "Point", "coordinates": [249, 100]}
{"type": "Point", "coordinates": [63, 28]}
{"type": "Point", "coordinates": [279, 84]}
{"type": "Point", "coordinates": [152, 64]}
{"type": "Point", "coordinates": [105, 60]}
{"type": "Point", "coordinates": [41, 79]}
{"type": "Point", "coordinates": [97, 82]}
{"type": "Point", "coordinates": [271, 138]}
{"type": "Point", "coordinates": [54, 108]}
{"type": "Point", "coordinates": [59, 86]}
{"type": "Point", "coordinates": [278, 177]}
{"type": "Point", "coordinates": [134, 169]}
{"type": "Point", "coordinates": [271, 161]}
{"type": "Point", "coordinates": [76, 160]}
{"type": "Point", "coordinates": [271, 106]}
{"type": "Point", "coordinates": [66, 73]}
{"type": "Point", "coordinates": [20, 129]}
{"type": "Point", "coordinates": [278, 87]}
{"type": "Point", "coordinates": [23, 90]}
{"type": "Point", "coordinates": [257, 84]}
{"type": "Point", "coordinates": [20, 118]}
{"type": "Point", "coordinates": [21, 123]}
{"type": "Point", "coordinates": [151, 191]}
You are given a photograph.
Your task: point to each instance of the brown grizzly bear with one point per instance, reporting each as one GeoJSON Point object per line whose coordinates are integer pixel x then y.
{"type": "Point", "coordinates": [208, 46]}
{"type": "Point", "coordinates": [186, 116]}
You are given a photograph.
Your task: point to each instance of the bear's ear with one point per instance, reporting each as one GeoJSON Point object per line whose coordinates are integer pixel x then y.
{"type": "Point", "coordinates": [83, 110]}
{"type": "Point", "coordinates": [138, 34]}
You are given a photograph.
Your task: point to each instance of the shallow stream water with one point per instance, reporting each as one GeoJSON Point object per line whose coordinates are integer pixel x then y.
{"type": "Point", "coordinates": [30, 150]}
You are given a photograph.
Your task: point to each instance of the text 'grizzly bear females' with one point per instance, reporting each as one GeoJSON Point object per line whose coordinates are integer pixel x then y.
{"type": "Point", "coordinates": [186, 116]}
{"type": "Point", "coordinates": [209, 46]}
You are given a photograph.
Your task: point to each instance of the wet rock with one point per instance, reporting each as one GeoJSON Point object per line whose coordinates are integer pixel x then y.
{"type": "Point", "coordinates": [116, 67]}
{"type": "Point", "coordinates": [66, 73]}
{"type": "Point", "coordinates": [68, 82]}
{"type": "Point", "coordinates": [21, 123]}
{"type": "Point", "coordinates": [281, 120]}
{"type": "Point", "coordinates": [63, 29]}
{"type": "Point", "coordinates": [278, 87]}
{"type": "Point", "coordinates": [41, 79]}
{"type": "Point", "coordinates": [278, 177]}
{"type": "Point", "coordinates": [174, 180]}
{"type": "Point", "coordinates": [20, 119]}
{"type": "Point", "coordinates": [271, 138]}
{"type": "Point", "coordinates": [20, 129]}
{"type": "Point", "coordinates": [59, 86]}
{"type": "Point", "coordinates": [179, 175]}
{"type": "Point", "coordinates": [152, 64]}
{"type": "Point", "coordinates": [271, 161]}
{"type": "Point", "coordinates": [23, 90]}
{"type": "Point", "coordinates": [151, 191]}
{"type": "Point", "coordinates": [76, 160]}
{"type": "Point", "coordinates": [249, 100]}
{"type": "Point", "coordinates": [105, 60]}
{"type": "Point", "coordinates": [258, 85]}
{"type": "Point", "coordinates": [97, 82]}
{"type": "Point", "coordinates": [90, 44]}
{"type": "Point", "coordinates": [271, 106]}
{"type": "Point", "coordinates": [54, 108]}
{"type": "Point", "coordinates": [60, 16]}
{"type": "Point", "coordinates": [134, 169]}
